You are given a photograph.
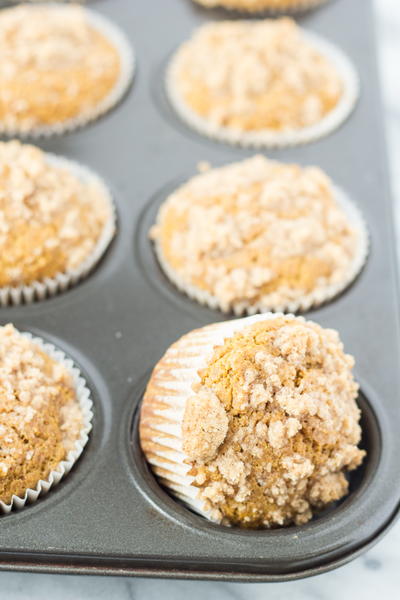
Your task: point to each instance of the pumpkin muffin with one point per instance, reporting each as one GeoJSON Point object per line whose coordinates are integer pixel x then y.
{"type": "Point", "coordinates": [254, 422]}
{"type": "Point", "coordinates": [254, 6]}
{"type": "Point", "coordinates": [42, 417]}
{"type": "Point", "coordinates": [260, 235]}
{"type": "Point", "coordinates": [263, 82]}
{"type": "Point", "coordinates": [61, 66]}
{"type": "Point", "coordinates": [56, 220]}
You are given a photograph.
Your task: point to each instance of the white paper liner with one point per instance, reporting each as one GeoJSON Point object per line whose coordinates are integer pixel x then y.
{"type": "Point", "coordinates": [86, 405]}
{"type": "Point", "coordinates": [300, 6]}
{"type": "Point", "coordinates": [266, 137]}
{"type": "Point", "coordinates": [318, 296]}
{"type": "Point", "coordinates": [127, 68]}
{"type": "Point", "coordinates": [51, 286]}
{"type": "Point", "coordinates": [164, 402]}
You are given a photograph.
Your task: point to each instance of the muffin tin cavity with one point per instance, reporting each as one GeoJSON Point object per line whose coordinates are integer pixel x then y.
{"type": "Point", "coordinates": [265, 136]}
{"type": "Point", "coordinates": [75, 174]}
{"type": "Point", "coordinates": [334, 521]}
{"type": "Point", "coordinates": [94, 415]}
{"type": "Point", "coordinates": [97, 38]}
{"type": "Point", "coordinates": [145, 254]}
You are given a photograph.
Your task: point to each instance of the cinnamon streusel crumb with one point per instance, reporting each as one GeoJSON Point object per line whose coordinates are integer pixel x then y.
{"type": "Point", "coordinates": [40, 418]}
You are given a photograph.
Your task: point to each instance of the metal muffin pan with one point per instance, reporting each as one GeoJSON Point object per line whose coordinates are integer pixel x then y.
{"type": "Point", "coordinates": [109, 516]}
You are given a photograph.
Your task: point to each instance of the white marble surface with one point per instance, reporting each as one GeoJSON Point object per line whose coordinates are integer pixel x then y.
{"type": "Point", "coordinates": [376, 570]}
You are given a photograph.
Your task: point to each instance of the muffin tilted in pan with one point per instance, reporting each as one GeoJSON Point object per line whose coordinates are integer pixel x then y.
{"type": "Point", "coordinates": [261, 83]}
{"type": "Point", "coordinates": [259, 235]}
{"type": "Point", "coordinates": [257, 6]}
{"type": "Point", "coordinates": [62, 65]}
{"type": "Point", "coordinates": [254, 422]}
{"type": "Point", "coordinates": [45, 417]}
{"type": "Point", "coordinates": [56, 221]}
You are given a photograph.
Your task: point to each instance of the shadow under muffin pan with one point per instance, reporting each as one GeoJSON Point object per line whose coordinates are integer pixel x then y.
{"type": "Point", "coordinates": [110, 516]}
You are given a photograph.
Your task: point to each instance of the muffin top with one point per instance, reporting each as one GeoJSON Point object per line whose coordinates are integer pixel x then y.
{"type": "Point", "coordinates": [272, 425]}
{"type": "Point", "coordinates": [54, 65]}
{"type": "Point", "coordinates": [50, 221]}
{"type": "Point", "coordinates": [256, 233]}
{"type": "Point", "coordinates": [259, 5]}
{"type": "Point", "coordinates": [40, 418]}
{"type": "Point", "coordinates": [255, 75]}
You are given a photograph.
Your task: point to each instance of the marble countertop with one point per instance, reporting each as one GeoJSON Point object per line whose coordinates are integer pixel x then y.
{"type": "Point", "coordinates": [359, 579]}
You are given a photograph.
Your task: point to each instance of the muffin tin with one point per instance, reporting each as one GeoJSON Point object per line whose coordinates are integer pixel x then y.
{"type": "Point", "coordinates": [109, 516]}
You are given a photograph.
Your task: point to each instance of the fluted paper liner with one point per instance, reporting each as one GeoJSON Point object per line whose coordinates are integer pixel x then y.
{"type": "Point", "coordinates": [267, 137]}
{"type": "Point", "coordinates": [51, 286]}
{"type": "Point", "coordinates": [164, 402]}
{"type": "Point", "coordinates": [127, 67]}
{"type": "Point", "coordinates": [85, 403]}
{"type": "Point", "coordinates": [318, 296]}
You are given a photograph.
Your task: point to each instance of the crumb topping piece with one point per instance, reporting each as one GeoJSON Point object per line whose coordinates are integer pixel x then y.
{"type": "Point", "coordinates": [40, 418]}
{"type": "Point", "coordinates": [54, 65]}
{"type": "Point", "coordinates": [257, 232]}
{"type": "Point", "coordinates": [255, 75]}
{"type": "Point", "coordinates": [206, 425]}
{"type": "Point", "coordinates": [50, 221]}
{"type": "Point", "coordinates": [273, 425]}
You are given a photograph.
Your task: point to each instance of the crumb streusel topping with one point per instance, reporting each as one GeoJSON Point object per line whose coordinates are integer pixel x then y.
{"type": "Point", "coordinates": [50, 221]}
{"type": "Point", "coordinates": [273, 425]}
{"type": "Point", "coordinates": [40, 418]}
{"type": "Point", "coordinates": [255, 75]}
{"type": "Point", "coordinates": [54, 65]}
{"type": "Point", "coordinates": [258, 232]}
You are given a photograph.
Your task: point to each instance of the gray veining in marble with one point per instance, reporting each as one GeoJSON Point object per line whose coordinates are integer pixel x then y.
{"type": "Point", "coordinates": [378, 569]}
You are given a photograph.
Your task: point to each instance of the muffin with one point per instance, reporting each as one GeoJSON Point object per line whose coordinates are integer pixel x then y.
{"type": "Point", "coordinates": [62, 65]}
{"type": "Point", "coordinates": [56, 220]}
{"type": "Point", "coordinates": [254, 6]}
{"type": "Point", "coordinates": [45, 415]}
{"type": "Point", "coordinates": [254, 422]}
{"type": "Point", "coordinates": [264, 82]}
{"type": "Point", "coordinates": [260, 235]}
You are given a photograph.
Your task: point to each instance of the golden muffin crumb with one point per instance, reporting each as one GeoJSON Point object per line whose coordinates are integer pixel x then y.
{"type": "Point", "coordinates": [54, 65]}
{"type": "Point", "coordinates": [50, 221]}
{"type": "Point", "coordinates": [257, 233]}
{"type": "Point", "coordinates": [273, 425]}
{"type": "Point", "coordinates": [40, 418]}
{"type": "Point", "coordinates": [255, 75]}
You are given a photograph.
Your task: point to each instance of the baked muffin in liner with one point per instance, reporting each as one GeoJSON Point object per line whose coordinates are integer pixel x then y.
{"type": "Point", "coordinates": [126, 55]}
{"type": "Point", "coordinates": [271, 138]}
{"type": "Point", "coordinates": [175, 383]}
{"type": "Point", "coordinates": [86, 407]}
{"type": "Point", "coordinates": [51, 286]}
{"type": "Point", "coordinates": [263, 6]}
{"type": "Point", "coordinates": [320, 294]}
